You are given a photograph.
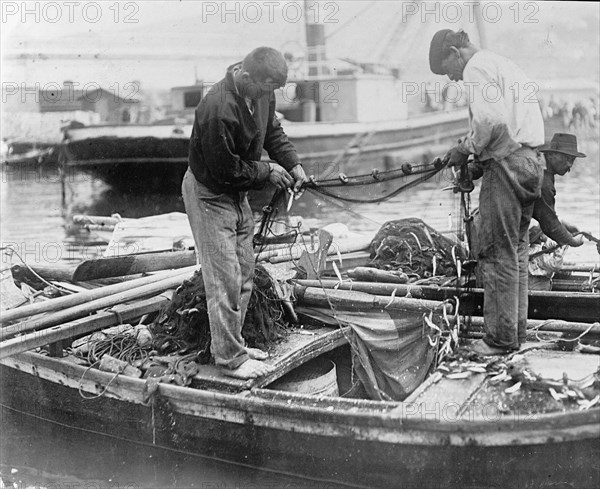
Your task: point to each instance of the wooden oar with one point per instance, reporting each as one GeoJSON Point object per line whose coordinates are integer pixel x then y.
{"type": "Point", "coordinates": [82, 326]}
{"type": "Point", "coordinates": [93, 306]}
{"type": "Point", "coordinates": [82, 297]}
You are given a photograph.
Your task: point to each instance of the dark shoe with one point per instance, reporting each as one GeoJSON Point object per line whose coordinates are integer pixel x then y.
{"type": "Point", "coordinates": [483, 349]}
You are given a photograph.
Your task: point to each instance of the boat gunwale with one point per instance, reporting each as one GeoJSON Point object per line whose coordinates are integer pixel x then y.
{"type": "Point", "coordinates": [356, 414]}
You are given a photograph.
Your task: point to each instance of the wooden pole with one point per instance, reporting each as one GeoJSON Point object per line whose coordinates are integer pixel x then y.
{"type": "Point", "coordinates": [313, 296]}
{"type": "Point", "coordinates": [82, 297]}
{"type": "Point", "coordinates": [416, 291]}
{"type": "Point", "coordinates": [92, 306]}
{"type": "Point", "coordinates": [580, 267]}
{"type": "Point", "coordinates": [82, 326]}
{"type": "Point", "coordinates": [63, 273]}
{"type": "Point", "coordinates": [555, 325]}
{"type": "Point", "coordinates": [434, 292]}
{"type": "Point", "coordinates": [110, 267]}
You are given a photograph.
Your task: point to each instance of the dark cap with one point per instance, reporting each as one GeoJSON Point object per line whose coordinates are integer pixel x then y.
{"type": "Point", "coordinates": [563, 143]}
{"type": "Point", "coordinates": [436, 51]}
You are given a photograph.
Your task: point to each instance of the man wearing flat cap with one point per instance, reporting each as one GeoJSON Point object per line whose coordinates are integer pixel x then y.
{"type": "Point", "coordinates": [506, 126]}
{"type": "Point", "coordinates": [560, 155]}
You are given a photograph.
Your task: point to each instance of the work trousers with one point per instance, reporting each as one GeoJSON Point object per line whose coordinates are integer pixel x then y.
{"type": "Point", "coordinates": [223, 227]}
{"type": "Point", "coordinates": [508, 191]}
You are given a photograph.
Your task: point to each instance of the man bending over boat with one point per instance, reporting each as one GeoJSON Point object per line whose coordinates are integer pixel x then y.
{"type": "Point", "coordinates": [559, 155]}
{"type": "Point", "coordinates": [233, 123]}
{"type": "Point", "coordinates": [546, 254]}
{"type": "Point", "coordinates": [505, 129]}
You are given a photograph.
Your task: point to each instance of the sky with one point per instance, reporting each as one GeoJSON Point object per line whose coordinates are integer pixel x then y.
{"type": "Point", "coordinates": [171, 43]}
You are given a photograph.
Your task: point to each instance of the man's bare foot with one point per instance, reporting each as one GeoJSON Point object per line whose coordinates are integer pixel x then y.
{"type": "Point", "coordinates": [256, 354]}
{"type": "Point", "coordinates": [250, 369]}
{"type": "Point", "coordinates": [483, 349]}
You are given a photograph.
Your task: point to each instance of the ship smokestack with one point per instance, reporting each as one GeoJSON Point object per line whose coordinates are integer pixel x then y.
{"type": "Point", "coordinates": [315, 40]}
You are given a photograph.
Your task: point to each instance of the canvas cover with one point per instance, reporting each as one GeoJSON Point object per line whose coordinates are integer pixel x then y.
{"type": "Point", "coordinates": [391, 352]}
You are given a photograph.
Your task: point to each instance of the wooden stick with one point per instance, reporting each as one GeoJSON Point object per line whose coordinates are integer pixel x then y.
{"type": "Point", "coordinates": [82, 326]}
{"type": "Point", "coordinates": [82, 297]}
{"type": "Point", "coordinates": [83, 220]}
{"type": "Point", "coordinates": [313, 296]}
{"type": "Point", "coordinates": [132, 264]}
{"type": "Point", "coordinates": [63, 273]}
{"type": "Point", "coordinates": [93, 306]}
{"type": "Point", "coordinates": [555, 325]}
{"type": "Point", "coordinates": [592, 267]}
{"type": "Point", "coordinates": [369, 287]}
{"type": "Point", "coordinates": [369, 274]}
{"type": "Point", "coordinates": [428, 291]}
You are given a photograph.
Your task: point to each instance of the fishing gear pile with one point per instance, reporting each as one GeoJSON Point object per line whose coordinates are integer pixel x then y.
{"type": "Point", "coordinates": [415, 248]}
{"type": "Point", "coordinates": [183, 326]}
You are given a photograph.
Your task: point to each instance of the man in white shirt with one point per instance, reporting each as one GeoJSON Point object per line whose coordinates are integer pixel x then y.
{"type": "Point", "coordinates": [506, 126]}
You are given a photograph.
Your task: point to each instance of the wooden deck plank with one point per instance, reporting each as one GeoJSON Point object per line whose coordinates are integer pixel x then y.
{"type": "Point", "coordinates": [443, 392]}
{"type": "Point", "coordinates": [552, 365]}
{"type": "Point", "coordinates": [297, 348]}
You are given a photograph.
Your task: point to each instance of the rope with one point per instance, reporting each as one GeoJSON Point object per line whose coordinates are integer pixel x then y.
{"type": "Point", "coordinates": [13, 251]}
{"type": "Point", "coordinates": [96, 396]}
{"type": "Point", "coordinates": [314, 187]}
{"type": "Point", "coordinates": [550, 321]}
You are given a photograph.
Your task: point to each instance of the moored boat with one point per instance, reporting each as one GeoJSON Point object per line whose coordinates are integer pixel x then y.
{"type": "Point", "coordinates": [525, 419]}
{"type": "Point", "coordinates": [437, 435]}
{"type": "Point", "coordinates": [120, 154]}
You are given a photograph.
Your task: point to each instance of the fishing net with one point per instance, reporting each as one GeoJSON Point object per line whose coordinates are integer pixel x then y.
{"type": "Point", "coordinates": [375, 187]}
{"type": "Point", "coordinates": [415, 248]}
{"type": "Point", "coordinates": [183, 326]}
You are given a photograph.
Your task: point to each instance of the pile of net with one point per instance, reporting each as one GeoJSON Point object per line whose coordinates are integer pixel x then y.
{"type": "Point", "coordinates": [415, 248]}
{"type": "Point", "coordinates": [183, 326]}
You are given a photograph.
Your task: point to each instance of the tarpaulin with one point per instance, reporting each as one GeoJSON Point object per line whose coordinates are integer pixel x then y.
{"type": "Point", "coordinates": [391, 352]}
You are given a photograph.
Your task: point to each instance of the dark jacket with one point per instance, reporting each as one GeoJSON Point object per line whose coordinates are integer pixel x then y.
{"type": "Point", "coordinates": [544, 213]}
{"type": "Point", "coordinates": [227, 140]}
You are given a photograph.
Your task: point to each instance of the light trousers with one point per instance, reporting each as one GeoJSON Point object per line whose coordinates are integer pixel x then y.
{"type": "Point", "coordinates": [223, 227]}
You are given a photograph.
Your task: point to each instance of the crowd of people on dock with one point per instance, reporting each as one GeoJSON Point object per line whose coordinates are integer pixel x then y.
{"type": "Point", "coordinates": [575, 116]}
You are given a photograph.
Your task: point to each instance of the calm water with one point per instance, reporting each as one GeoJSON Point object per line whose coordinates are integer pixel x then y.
{"type": "Point", "coordinates": [36, 221]}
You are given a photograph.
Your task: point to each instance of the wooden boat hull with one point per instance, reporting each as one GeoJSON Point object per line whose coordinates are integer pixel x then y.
{"type": "Point", "coordinates": [136, 158]}
{"type": "Point", "coordinates": [363, 443]}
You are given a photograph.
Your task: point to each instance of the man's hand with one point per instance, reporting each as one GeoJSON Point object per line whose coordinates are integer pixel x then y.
{"type": "Point", "coordinates": [572, 229]}
{"type": "Point", "coordinates": [576, 241]}
{"type": "Point", "coordinates": [455, 158]}
{"type": "Point", "coordinates": [299, 179]}
{"type": "Point", "coordinates": [279, 177]}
